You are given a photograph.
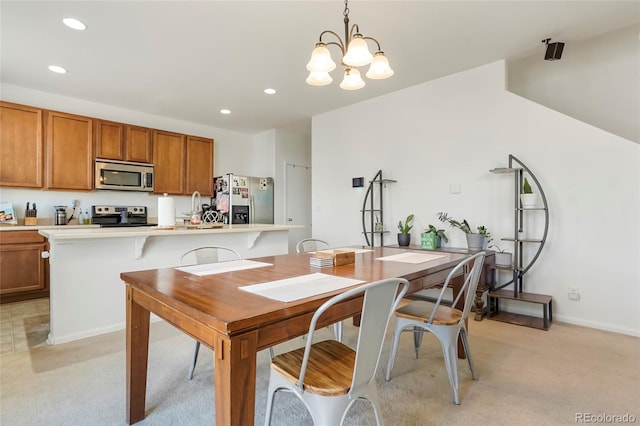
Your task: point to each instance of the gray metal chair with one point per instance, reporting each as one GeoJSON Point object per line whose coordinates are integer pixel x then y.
{"type": "Point", "coordinates": [202, 255]}
{"type": "Point", "coordinates": [329, 376]}
{"type": "Point", "coordinates": [445, 322]}
{"type": "Point", "coordinates": [311, 244]}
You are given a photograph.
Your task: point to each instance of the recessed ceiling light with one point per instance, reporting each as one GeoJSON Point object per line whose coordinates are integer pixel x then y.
{"type": "Point", "coordinates": [58, 69]}
{"type": "Point", "coordinates": [225, 111]}
{"type": "Point", "coordinates": [270, 91]}
{"type": "Point", "coordinates": [74, 23]}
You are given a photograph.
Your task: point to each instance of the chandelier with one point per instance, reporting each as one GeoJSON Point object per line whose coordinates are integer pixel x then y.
{"type": "Point", "coordinates": [355, 53]}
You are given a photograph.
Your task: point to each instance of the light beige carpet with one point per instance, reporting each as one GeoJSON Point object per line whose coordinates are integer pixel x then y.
{"type": "Point", "coordinates": [526, 377]}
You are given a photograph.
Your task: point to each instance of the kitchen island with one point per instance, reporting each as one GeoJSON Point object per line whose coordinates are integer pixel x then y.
{"type": "Point", "coordinates": [87, 297]}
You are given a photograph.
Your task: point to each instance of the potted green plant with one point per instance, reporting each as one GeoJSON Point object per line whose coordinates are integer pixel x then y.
{"type": "Point", "coordinates": [404, 237]}
{"type": "Point", "coordinates": [432, 238]}
{"type": "Point", "coordinates": [475, 240]}
{"type": "Point", "coordinates": [503, 258]}
{"type": "Point", "coordinates": [527, 197]}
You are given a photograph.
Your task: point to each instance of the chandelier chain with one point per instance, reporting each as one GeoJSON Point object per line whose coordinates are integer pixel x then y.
{"type": "Point", "coordinates": [346, 9]}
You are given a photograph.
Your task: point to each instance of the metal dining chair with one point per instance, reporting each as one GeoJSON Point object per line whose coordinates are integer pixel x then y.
{"type": "Point", "coordinates": [446, 322]}
{"type": "Point", "coordinates": [313, 244]}
{"type": "Point", "coordinates": [202, 255]}
{"type": "Point", "coordinates": [329, 376]}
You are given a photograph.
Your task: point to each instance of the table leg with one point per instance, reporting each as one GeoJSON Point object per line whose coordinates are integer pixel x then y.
{"type": "Point", "coordinates": [235, 379]}
{"type": "Point", "coordinates": [137, 355]}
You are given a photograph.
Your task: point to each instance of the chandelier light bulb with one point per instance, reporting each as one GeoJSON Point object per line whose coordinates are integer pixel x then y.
{"type": "Point", "coordinates": [357, 52]}
{"type": "Point", "coordinates": [379, 68]}
{"type": "Point", "coordinates": [319, 78]}
{"type": "Point", "coordinates": [321, 59]}
{"type": "Point", "coordinates": [352, 80]}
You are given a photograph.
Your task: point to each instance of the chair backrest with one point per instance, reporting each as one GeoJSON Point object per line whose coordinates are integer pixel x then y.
{"type": "Point", "coordinates": [209, 254]}
{"type": "Point", "coordinates": [311, 244]}
{"type": "Point", "coordinates": [380, 301]}
{"type": "Point", "coordinates": [468, 288]}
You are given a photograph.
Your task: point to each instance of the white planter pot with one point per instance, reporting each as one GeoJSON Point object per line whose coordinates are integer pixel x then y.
{"type": "Point", "coordinates": [503, 259]}
{"type": "Point", "coordinates": [528, 201]}
{"type": "Point", "coordinates": [475, 241]}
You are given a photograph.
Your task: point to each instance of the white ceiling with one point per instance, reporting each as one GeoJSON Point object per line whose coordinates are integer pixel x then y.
{"type": "Point", "coordinates": [189, 59]}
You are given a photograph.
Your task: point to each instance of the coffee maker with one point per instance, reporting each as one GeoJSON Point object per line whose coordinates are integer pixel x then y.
{"type": "Point", "coordinates": [61, 215]}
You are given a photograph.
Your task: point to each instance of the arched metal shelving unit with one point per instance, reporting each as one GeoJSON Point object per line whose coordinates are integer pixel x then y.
{"type": "Point", "coordinates": [372, 207]}
{"type": "Point", "coordinates": [519, 268]}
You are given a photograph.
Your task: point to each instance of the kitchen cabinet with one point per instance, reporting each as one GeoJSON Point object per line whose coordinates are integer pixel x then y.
{"type": "Point", "coordinates": [109, 140]}
{"type": "Point", "coordinates": [21, 146]}
{"type": "Point", "coordinates": [138, 144]}
{"type": "Point", "coordinates": [25, 272]}
{"type": "Point", "coordinates": [169, 150]}
{"type": "Point", "coordinates": [199, 168]}
{"type": "Point", "coordinates": [123, 142]}
{"type": "Point", "coordinates": [69, 146]}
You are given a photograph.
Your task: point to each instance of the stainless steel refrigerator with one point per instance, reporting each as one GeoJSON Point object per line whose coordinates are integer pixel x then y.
{"type": "Point", "coordinates": [244, 199]}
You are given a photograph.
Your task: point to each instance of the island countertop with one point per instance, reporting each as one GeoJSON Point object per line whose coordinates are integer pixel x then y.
{"type": "Point", "coordinates": [80, 232]}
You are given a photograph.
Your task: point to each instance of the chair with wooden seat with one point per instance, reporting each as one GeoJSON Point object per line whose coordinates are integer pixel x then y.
{"type": "Point", "coordinates": [329, 376]}
{"type": "Point", "coordinates": [445, 322]}
{"type": "Point", "coordinates": [202, 255]}
{"type": "Point", "coordinates": [311, 244]}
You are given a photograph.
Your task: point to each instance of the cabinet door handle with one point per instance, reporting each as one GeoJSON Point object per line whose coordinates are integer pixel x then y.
{"type": "Point", "coordinates": [44, 254]}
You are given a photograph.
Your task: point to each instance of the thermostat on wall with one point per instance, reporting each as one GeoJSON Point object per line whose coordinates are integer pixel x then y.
{"type": "Point", "coordinates": [357, 182]}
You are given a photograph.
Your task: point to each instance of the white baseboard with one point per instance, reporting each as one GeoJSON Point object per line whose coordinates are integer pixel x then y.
{"type": "Point", "coordinates": [57, 340]}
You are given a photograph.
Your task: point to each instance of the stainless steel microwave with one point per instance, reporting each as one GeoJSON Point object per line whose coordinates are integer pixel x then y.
{"type": "Point", "coordinates": [123, 176]}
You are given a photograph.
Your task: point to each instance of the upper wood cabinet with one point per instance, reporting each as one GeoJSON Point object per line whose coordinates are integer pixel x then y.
{"type": "Point", "coordinates": [169, 162]}
{"type": "Point", "coordinates": [109, 140]}
{"type": "Point", "coordinates": [21, 146]}
{"type": "Point", "coordinates": [69, 141]}
{"type": "Point", "coordinates": [199, 166]}
{"type": "Point", "coordinates": [117, 141]}
{"type": "Point", "coordinates": [138, 144]}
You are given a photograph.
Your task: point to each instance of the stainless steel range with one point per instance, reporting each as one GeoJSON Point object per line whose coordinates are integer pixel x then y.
{"type": "Point", "coordinates": [119, 216]}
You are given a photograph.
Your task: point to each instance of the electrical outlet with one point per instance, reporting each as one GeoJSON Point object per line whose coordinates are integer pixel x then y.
{"type": "Point", "coordinates": [574, 294]}
{"type": "Point", "coordinates": [74, 203]}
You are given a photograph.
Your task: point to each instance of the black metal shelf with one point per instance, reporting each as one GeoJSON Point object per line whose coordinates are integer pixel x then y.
{"type": "Point", "coordinates": [519, 269]}
{"type": "Point", "coordinates": [373, 206]}
{"type": "Point", "coordinates": [524, 240]}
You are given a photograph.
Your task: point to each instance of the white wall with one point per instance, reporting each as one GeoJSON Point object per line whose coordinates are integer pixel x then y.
{"type": "Point", "coordinates": [233, 152]}
{"type": "Point", "coordinates": [293, 146]}
{"type": "Point", "coordinates": [596, 81]}
{"type": "Point", "coordinates": [452, 131]}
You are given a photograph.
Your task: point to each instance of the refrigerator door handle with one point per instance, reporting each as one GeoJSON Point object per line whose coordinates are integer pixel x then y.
{"type": "Point", "coordinates": [251, 209]}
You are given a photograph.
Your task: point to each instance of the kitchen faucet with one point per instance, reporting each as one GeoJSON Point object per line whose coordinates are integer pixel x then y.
{"type": "Point", "coordinates": [195, 214]}
{"type": "Point", "coordinates": [193, 202]}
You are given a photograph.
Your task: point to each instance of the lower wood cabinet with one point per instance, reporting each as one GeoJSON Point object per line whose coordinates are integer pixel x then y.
{"type": "Point", "coordinates": [24, 273]}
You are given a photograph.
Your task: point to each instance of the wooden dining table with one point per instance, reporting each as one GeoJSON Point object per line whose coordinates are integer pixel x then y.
{"type": "Point", "coordinates": [237, 324]}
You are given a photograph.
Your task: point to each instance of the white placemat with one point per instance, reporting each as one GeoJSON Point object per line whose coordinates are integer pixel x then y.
{"type": "Point", "coordinates": [290, 289]}
{"type": "Point", "coordinates": [411, 257]}
{"type": "Point", "coordinates": [220, 267]}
